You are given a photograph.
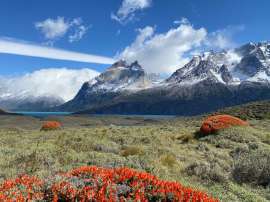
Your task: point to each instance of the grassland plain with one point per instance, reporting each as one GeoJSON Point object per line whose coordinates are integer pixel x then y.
{"type": "Point", "coordinates": [232, 165]}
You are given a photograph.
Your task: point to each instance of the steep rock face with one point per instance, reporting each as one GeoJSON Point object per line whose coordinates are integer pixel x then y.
{"type": "Point", "coordinates": [119, 79]}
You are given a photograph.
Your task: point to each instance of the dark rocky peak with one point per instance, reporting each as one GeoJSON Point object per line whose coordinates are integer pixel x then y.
{"type": "Point", "coordinates": [136, 66]}
{"type": "Point", "coordinates": [178, 74]}
{"type": "Point", "coordinates": [120, 63]}
{"type": "Point", "coordinates": [204, 67]}
{"type": "Point", "coordinates": [120, 76]}
{"type": "Point", "coordinates": [199, 68]}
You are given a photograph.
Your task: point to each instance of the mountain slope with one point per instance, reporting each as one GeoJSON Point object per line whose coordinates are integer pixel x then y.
{"type": "Point", "coordinates": [253, 110]}
{"type": "Point", "coordinates": [186, 100]}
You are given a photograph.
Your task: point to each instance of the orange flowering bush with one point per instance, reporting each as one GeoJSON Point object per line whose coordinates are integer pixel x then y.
{"type": "Point", "coordinates": [214, 123]}
{"type": "Point", "coordinates": [90, 183]}
{"type": "Point", "coordinates": [23, 188]}
{"type": "Point", "coordinates": [51, 125]}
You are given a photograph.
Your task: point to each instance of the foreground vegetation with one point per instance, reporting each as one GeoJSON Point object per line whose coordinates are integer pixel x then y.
{"type": "Point", "coordinates": [232, 165]}
{"type": "Point", "coordinates": [91, 183]}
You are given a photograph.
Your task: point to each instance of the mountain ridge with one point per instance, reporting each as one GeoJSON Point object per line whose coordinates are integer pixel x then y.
{"type": "Point", "coordinates": [207, 83]}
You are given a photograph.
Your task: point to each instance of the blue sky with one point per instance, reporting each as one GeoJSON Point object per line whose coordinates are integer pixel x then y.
{"type": "Point", "coordinates": [236, 22]}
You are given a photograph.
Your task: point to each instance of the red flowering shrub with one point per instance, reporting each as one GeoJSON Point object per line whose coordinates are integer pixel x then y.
{"type": "Point", "coordinates": [23, 188]}
{"type": "Point", "coordinates": [214, 123]}
{"type": "Point", "coordinates": [91, 183]}
{"type": "Point", "coordinates": [51, 125]}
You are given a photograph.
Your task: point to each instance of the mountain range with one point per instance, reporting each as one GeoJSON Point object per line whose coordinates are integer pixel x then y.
{"type": "Point", "coordinates": [206, 83]}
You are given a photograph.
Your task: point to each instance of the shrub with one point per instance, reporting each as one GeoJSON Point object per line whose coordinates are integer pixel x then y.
{"type": "Point", "coordinates": [168, 160]}
{"type": "Point", "coordinates": [21, 189]}
{"type": "Point", "coordinates": [106, 149]}
{"type": "Point", "coordinates": [51, 125]}
{"type": "Point", "coordinates": [100, 184]}
{"type": "Point", "coordinates": [251, 166]}
{"type": "Point", "coordinates": [131, 150]}
{"type": "Point", "coordinates": [207, 172]}
{"type": "Point", "coordinates": [215, 123]}
{"type": "Point", "coordinates": [186, 138]}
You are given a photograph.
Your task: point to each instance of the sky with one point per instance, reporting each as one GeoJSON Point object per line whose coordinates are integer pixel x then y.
{"type": "Point", "coordinates": [162, 35]}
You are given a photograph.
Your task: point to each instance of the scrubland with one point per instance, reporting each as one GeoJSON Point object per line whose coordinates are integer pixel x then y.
{"type": "Point", "coordinates": [232, 165]}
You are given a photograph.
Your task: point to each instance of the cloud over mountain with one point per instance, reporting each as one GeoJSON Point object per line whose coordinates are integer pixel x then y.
{"type": "Point", "coordinates": [168, 51]}
{"type": "Point", "coordinates": [58, 82]}
{"type": "Point", "coordinates": [163, 53]}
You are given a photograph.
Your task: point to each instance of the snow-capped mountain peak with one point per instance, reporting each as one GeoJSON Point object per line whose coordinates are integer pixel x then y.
{"type": "Point", "coordinates": [121, 76]}
{"type": "Point", "coordinates": [210, 65]}
{"type": "Point", "coordinates": [250, 62]}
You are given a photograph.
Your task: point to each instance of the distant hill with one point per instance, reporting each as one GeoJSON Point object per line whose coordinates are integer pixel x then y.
{"type": "Point", "coordinates": [2, 112]}
{"type": "Point", "coordinates": [30, 103]}
{"type": "Point", "coordinates": [253, 110]}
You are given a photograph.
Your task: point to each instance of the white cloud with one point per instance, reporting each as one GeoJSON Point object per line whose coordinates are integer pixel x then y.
{"type": "Point", "coordinates": [61, 82]}
{"type": "Point", "coordinates": [79, 30]}
{"type": "Point", "coordinates": [53, 29]}
{"type": "Point", "coordinates": [16, 47]}
{"type": "Point", "coordinates": [182, 21]}
{"type": "Point", "coordinates": [223, 39]}
{"type": "Point", "coordinates": [79, 33]}
{"type": "Point", "coordinates": [128, 8]}
{"type": "Point", "coordinates": [166, 52]}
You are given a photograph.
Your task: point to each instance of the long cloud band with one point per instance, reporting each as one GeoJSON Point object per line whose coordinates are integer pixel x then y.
{"type": "Point", "coordinates": [28, 49]}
